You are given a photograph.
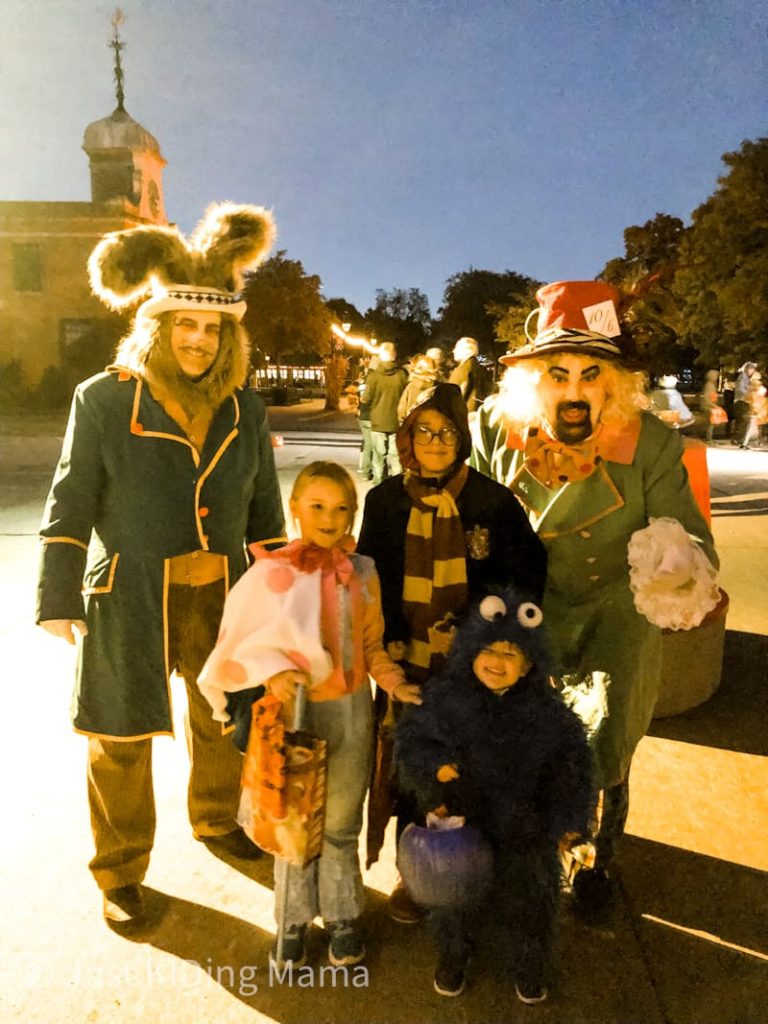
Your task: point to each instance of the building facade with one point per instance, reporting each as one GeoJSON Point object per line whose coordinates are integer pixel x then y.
{"type": "Point", "coordinates": [46, 307]}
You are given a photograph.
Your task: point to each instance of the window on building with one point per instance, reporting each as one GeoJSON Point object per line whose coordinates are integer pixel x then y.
{"type": "Point", "coordinates": [73, 332]}
{"type": "Point", "coordinates": [28, 267]}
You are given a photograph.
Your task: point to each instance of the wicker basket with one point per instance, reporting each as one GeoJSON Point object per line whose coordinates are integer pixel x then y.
{"type": "Point", "coordinates": [692, 663]}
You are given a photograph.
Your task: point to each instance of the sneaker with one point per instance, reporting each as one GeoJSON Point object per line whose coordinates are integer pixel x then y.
{"type": "Point", "coordinates": [450, 977]}
{"type": "Point", "coordinates": [124, 906]}
{"type": "Point", "coordinates": [593, 893]}
{"type": "Point", "coordinates": [294, 948]}
{"type": "Point", "coordinates": [346, 946]}
{"type": "Point", "coordinates": [530, 992]}
{"type": "Point", "coordinates": [401, 907]}
{"type": "Point", "coordinates": [233, 844]}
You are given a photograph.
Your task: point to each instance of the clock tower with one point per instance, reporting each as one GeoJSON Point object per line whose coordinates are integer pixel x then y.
{"type": "Point", "coordinates": [125, 159]}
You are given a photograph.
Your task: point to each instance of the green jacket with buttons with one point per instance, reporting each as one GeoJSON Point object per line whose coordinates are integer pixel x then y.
{"type": "Point", "coordinates": [609, 654]}
{"type": "Point", "coordinates": [129, 493]}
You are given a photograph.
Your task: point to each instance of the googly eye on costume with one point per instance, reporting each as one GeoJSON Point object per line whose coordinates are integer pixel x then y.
{"type": "Point", "coordinates": [529, 615]}
{"type": "Point", "coordinates": [492, 608]}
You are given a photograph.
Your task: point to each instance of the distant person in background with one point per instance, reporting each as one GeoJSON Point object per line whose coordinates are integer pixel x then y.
{"type": "Point", "coordinates": [423, 376]}
{"type": "Point", "coordinates": [365, 463]}
{"type": "Point", "coordinates": [437, 355]}
{"type": "Point", "coordinates": [758, 410]}
{"type": "Point", "coordinates": [383, 388]}
{"type": "Point", "coordinates": [709, 404]}
{"type": "Point", "coordinates": [741, 407]}
{"type": "Point", "coordinates": [667, 403]}
{"type": "Point", "coordinates": [469, 375]}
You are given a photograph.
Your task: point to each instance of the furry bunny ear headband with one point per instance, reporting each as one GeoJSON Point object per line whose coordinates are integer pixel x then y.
{"type": "Point", "coordinates": [172, 272]}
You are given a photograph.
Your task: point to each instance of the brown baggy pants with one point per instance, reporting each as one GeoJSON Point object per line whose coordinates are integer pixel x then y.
{"type": "Point", "coordinates": [120, 791]}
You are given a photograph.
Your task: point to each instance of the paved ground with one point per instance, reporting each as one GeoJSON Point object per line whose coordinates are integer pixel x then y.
{"type": "Point", "coordinates": [688, 943]}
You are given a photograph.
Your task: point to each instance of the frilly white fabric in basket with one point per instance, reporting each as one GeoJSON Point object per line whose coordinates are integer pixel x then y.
{"type": "Point", "coordinates": [673, 582]}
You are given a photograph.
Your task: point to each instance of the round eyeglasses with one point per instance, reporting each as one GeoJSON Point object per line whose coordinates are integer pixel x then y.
{"type": "Point", "coordinates": [448, 436]}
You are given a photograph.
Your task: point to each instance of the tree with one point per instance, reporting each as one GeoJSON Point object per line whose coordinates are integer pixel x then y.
{"type": "Point", "coordinates": [345, 313]}
{"type": "Point", "coordinates": [650, 310]}
{"type": "Point", "coordinates": [401, 316]}
{"type": "Point", "coordinates": [474, 300]}
{"type": "Point", "coordinates": [286, 312]}
{"type": "Point", "coordinates": [723, 280]}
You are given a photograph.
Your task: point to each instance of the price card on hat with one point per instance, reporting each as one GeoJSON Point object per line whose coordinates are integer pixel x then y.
{"type": "Point", "coordinates": [602, 319]}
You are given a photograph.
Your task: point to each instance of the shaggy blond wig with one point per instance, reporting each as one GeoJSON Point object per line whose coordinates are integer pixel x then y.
{"type": "Point", "coordinates": [519, 403]}
{"type": "Point", "coordinates": [147, 352]}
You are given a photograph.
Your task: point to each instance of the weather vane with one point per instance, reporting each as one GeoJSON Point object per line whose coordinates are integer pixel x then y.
{"type": "Point", "coordinates": [117, 45]}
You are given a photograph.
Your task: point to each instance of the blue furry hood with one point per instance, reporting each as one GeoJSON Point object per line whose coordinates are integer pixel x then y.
{"type": "Point", "coordinates": [505, 614]}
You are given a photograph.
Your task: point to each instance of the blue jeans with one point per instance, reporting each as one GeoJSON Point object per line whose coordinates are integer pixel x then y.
{"type": "Point", "coordinates": [384, 449]}
{"type": "Point", "coordinates": [332, 885]}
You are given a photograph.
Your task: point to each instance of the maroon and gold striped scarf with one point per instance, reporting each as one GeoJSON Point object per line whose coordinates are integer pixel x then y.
{"type": "Point", "coordinates": [435, 581]}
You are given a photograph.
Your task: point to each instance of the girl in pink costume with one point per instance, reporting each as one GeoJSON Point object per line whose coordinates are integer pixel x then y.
{"type": "Point", "coordinates": [309, 614]}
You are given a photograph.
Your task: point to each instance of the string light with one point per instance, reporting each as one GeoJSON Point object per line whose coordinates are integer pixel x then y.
{"type": "Point", "coordinates": [356, 340]}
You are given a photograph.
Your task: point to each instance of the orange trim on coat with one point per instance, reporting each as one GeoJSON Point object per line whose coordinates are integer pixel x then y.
{"type": "Point", "coordinates": [166, 657]}
{"type": "Point", "coordinates": [65, 540]}
{"type": "Point", "coordinates": [119, 739]}
{"type": "Point", "coordinates": [202, 478]}
{"type": "Point", "coordinates": [107, 588]}
{"type": "Point", "coordinates": [138, 428]}
{"type": "Point", "coordinates": [270, 540]}
{"type": "Point", "coordinates": [591, 520]}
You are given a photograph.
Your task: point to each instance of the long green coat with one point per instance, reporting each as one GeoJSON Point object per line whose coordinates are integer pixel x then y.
{"type": "Point", "coordinates": [130, 492]}
{"type": "Point", "coordinates": [610, 652]}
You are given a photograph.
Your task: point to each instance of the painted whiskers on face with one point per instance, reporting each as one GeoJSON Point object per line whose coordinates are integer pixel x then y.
{"type": "Point", "coordinates": [195, 341]}
{"type": "Point", "coordinates": [573, 394]}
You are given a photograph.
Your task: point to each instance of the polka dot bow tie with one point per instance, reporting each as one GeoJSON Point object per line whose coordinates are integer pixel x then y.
{"type": "Point", "coordinates": [555, 463]}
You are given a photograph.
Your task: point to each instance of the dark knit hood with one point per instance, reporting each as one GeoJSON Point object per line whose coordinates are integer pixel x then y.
{"type": "Point", "coordinates": [509, 615]}
{"type": "Point", "coordinates": [448, 400]}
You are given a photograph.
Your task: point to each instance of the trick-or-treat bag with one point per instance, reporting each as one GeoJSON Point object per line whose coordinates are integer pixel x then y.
{"type": "Point", "coordinates": [283, 787]}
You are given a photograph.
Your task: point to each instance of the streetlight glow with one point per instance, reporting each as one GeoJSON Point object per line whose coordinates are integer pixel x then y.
{"type": "Point", "coordinates": [355, 340]}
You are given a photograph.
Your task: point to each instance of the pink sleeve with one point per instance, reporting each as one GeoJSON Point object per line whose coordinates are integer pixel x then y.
{"type": "Point", "coordinates": [385, 672]}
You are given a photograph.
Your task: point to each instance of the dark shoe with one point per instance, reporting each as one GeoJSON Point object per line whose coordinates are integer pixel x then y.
{"type": "Point", "coordinates": [450, 977]}
{"type": "Point", "coordinates": [294, 948]}
{"type": "Point", "coordinates": [347, 946]}
{"type": "Point", "coordinates": [530, 992]}
{"type": "Point", "coordinates": [401, 907]}
{"type": "Point", "coordinates": [124, 906]}
{"type": "Point", "coordinates": [593, 894]}
{"type": "Point", "coordinates": [235, 844]}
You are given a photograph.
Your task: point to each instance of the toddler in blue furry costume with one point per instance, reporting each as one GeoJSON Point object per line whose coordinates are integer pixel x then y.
{"type": "Point", "coordinates": [495, 743]}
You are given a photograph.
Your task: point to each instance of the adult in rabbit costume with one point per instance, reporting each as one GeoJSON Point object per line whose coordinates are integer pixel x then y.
{"type": "Point", "coordinates": [166, 474]}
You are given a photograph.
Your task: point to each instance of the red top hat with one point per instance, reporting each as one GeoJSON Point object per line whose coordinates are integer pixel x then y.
{"type": "Point", "coordinates": [574, 316]}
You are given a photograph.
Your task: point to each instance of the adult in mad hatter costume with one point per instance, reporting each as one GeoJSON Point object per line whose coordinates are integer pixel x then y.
{"type": "Point", "coordinates": [166, 474]}
{"type": "Point", "coordinates": [628, 550]}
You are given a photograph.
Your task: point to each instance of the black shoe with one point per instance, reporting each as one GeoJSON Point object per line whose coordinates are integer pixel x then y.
{"type": "Point", "coordinates": [294, 948]}
{"type": "Point", "coordinates": [593, 893]}
{"type": "Point", "coordinates": [235, 844]}
{"type": "Point", "coordinates": [124, 906]}
{"type": "Point", "coordinates": [530, 992]}
{"type": "Point", "coordinates": [347, 945]}
{"type": "Point", "coordinates": [450, 977]}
